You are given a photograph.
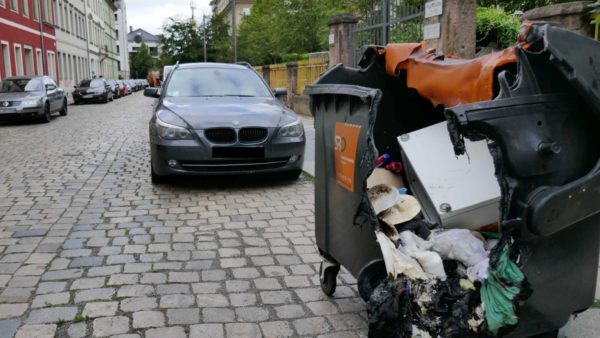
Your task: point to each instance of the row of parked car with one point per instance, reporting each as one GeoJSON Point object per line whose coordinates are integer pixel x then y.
{"type": "Point", "coordinates": [104, 90]}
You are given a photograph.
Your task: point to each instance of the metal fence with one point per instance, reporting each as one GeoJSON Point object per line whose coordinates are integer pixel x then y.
{"type": "Point", "coordinates": [390, 21]}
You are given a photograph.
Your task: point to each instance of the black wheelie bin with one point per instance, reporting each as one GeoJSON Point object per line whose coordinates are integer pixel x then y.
{"type": "Point", "coordinates": [537, 105]}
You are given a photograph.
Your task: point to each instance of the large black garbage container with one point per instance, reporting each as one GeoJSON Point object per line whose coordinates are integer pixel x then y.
{"type": "Point", "coordinates": [541, 124]}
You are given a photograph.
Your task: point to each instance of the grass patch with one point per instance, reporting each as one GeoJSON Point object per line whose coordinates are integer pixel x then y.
{"type": "Point", "coordinates": [308, 177]}
{"type": "Point", "coordinates": [596, 304]}
{"type": "Point", "coordinates": [61, 322]}
{"type": "Point", "coordinates": [80, 318]}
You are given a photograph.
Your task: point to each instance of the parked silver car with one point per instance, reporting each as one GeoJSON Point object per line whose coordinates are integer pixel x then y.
{"type": "Point", "coordinates": [214, 118]}
{"type": "Point", "coordinates": [31, 97]}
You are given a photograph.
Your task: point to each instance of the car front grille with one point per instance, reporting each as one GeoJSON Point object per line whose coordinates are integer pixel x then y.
{"type": "Point", "coordinates": [220, 135]}
{"type": "Point", "coordinates": [252, 134]}
{"type": "Point", "coordinates": [234, 165]}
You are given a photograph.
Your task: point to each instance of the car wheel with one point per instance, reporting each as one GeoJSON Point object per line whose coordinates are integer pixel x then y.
{"type": "Point", "coordinates": [156, 178]}
{"type": "Point", "coordinates": [76, 102]}
{"type": "Point", "coordinates": [105, 98]}
{"type": "Point", "coordinates": [63, 111]}
{"type": "Point", "coordinates": [47, 115]}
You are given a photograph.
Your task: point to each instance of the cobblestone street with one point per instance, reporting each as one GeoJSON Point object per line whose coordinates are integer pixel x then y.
{"type": "Point", "coordinates": [88, 247]}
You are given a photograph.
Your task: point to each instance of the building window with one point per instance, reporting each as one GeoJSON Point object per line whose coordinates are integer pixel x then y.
{"type": "Point", "coordinates": [246, 11]}
{"type": "Point", "coordinates": [36, 10]}
{"type": "Point", "coordinates": [2, 4]}
{"type": "Point", "coordinates": [29, 65]}
{"type": "Point", "coordinates": [25, 7]}
{"type": "Point", "coordinates": [51, 65]}
{"type": "Point", "coordinates": [6, 60]}
{"type": "Point", "coordinates": [40, 62]}
{"type": "Point", "coordinates": [19, 60]}
{"type": "Point", "coordinates": [13, 6]}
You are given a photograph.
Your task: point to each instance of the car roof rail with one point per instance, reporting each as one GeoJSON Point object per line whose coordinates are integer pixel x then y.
{"type": "Point", "coordinates": [176, 65]}
{"type": "Point", "coordinates": [244, 63]}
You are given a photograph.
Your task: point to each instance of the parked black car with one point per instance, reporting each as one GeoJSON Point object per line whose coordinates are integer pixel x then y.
{"type": "Point", "coordinates": [214, 118]}
{"type": "Point", "coordinates": [114, 86]}
{"type": "Point", "coordinates": [31, 97]}
{"type": "Point", "coordinates": [93, 90]}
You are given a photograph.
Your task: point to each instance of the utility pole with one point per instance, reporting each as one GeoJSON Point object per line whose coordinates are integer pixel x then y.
{"type": "Point", "coordinates": [204, 34]}
{"type": "Point", "coordinates": [193, 7]}
{"type": "Point", "coordinates": [44, 66]}
{"type": "Point", "coordinates": [234, 30]}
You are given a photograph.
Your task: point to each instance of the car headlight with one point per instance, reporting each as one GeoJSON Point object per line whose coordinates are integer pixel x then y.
{"type": "Point", "coordinates": [30, 103]}
{"type": "Point", "coordinates": [294, 129]}
{"type": "Point", "coordinates": [170, 132]}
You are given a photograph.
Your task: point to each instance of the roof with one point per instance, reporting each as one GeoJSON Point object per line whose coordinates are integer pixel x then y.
{"type": "Point", "coordinates": [146, 37]}
{"type": "Point", "coordinates": [210, 65]}
{"type": "Point", "coordinates": [23, 77]}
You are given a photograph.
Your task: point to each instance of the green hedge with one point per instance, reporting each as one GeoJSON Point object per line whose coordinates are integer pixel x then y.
{"type": "Point", "coordinates": [494, 23]}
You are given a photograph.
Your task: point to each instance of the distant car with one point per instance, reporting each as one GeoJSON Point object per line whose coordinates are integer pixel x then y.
{"type": "Point", "coordinates": [31, 97]}
{"type": "Point", "coordinates": [93, 90]}
{"type": "Point", "coordinates": [122, 88]}
{"type": "Point", "coordinates": [114, 87]}
{"type": "Point", "coordinates": [133, 85]}
{"type": "Point", "coordinates": [214, 118]}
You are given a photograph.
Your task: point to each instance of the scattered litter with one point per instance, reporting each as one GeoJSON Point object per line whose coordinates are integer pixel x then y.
{"type": "Point", "coordinates": [460, 245]}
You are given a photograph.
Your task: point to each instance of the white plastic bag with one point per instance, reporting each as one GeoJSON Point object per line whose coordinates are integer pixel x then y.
{"type": "Point", "coordinates": [460, 245]}
{"type": "Point", "coordinates": [430, 261]}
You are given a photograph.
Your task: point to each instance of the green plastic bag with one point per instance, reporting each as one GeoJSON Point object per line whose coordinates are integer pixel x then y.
{"type": "Point", "coordinates": [498, 293]}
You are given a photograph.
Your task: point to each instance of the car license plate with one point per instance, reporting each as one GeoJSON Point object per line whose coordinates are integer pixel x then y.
{"type": "Point", "coordinates": [238, 152]}
{"type": "Point", "coordinates": [88, 96]}
{"type": "Point", "coordinates": [6, 110]}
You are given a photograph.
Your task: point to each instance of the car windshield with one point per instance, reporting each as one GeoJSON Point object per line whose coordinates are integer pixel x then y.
{"type": "Point", "coordinates": [21, 85]}
{"type": "Point", "coordinates": [91, 83]}
{"type": "Point", "coordinates": [195, 82]}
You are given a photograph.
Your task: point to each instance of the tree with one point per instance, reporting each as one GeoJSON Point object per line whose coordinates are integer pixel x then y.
{"type": "Point", "coordinates": [180, 41]}
{"type": "Point", "coordinates": [218, 41]}
{"type": "Point", "coordinates": [510, 6]}
{"type": "Point", "coordinates": [141, 62]}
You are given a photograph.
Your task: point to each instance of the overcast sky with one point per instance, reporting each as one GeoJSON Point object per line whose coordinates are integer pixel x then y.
{"type": "Point", "coordinates": [151, 14]}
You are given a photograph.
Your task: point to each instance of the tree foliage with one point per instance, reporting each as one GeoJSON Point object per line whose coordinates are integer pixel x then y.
{"type": "Point", "coordinates": [275, 28]}
{"type": "Point", "coordinates": [183, 41]}
{"type": "Point", "coordinates": [141, 62]}
{"type": "Point", "coordinates": [496, 26]}
{"type": "Point", "coordinates": [510, 6]}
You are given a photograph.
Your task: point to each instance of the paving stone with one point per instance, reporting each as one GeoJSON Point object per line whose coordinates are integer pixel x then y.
{"type": "Point", "coordinates": [289, 311]}
{"type": "Point", "coordinates": [251, 314]}
{"type": "Point", "coordinates": [86, 261]}
{"type": "Point", "coordinates": [245, 330]}
{"type": "Point", "coordinates": [24, 281]}
{"type": "Point", "coordinates": [174, 332]}
{"type": "Point", "coordinates": [346, 321]}
{"type": "Point", "coordinates": [138, 304]}
{"type": "Point", "coordinates": [12, 310]}
{"type": "Point", "coordinates": [183, 316]}
{"type": "Point", "coordinates": [62, 274]}
{"type": "Point", "coordinates": [145, 319]}
{"type": "Point", "coordinates": [51, 287]}
{"type": "Point", "coordinates": [40, 258]}
{"type": "Point", "coordinates": [178, 301]}
{"type": "Point", "coordinates": [36, 331]}
{"type": "Point", "coordinates": [104, 270]}
{"type": "Point", "coordinates": [77, 330]}
{"type": "Point", "coordinates": [169, 289]}
{"type": "Point", "coordinates": [121, 279]}
{"type": "Point", "coordinates": [88, 283]}
{"type": "Point", "coordinates": [276, 297]}
{"type": "Point", "coordinates": [51, 315]}
{"type": "Point", "coordinates": [267, 284]}
{"type": "Point", "coordinates": [276, 329]}
{"type": "Point", "coordinates": [207, 300]}
{"type": "Point", "coordinates": [242, 299]}
{"type": "Point", "coordinates": [213, 275]}
{"type": "Point", "coordinates": [183, 277]}
{"type": "Point", "coordinates": [51, 299]}
{"type": "Point", "coordinates": [208, 287]}
{"type": "Point", "coordinates": [311, 326]}
{"type": "Point", "coordinates": [100, 309]}
{"type": "Point", "coordinates": [94, 294]}
{"type": "Point", "coordinates": [135, 291]}
{"type": "Point", "coordinates": [8, 327]}
{"type": "Point", "coordinates": [322, 308]}
{"type": "Point", "coordinates": [217, 315]}
{"type": "Point", "coordinates": [246, 273]}
{"type": "Point", "coordinates": [106, 326]}
{"type": "Point", "coordinates": [15, 295]}
{"type": "Point", "coordinates": [207, 331]}
{"type": "Point", "coordinates": [30, 233]}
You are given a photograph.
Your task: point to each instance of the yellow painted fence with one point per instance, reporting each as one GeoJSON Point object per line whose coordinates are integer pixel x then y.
{"type": "Point", "coordinates": [308, 72]}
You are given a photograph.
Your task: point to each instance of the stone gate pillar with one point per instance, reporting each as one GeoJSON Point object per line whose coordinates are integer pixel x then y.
{"type": "Point", "coordinates": [452, 32]}
{"type": "Point", "coordinates": [341, 49]}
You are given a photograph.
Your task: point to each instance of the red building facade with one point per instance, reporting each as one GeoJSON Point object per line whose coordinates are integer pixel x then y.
{"type": "Point", "coordinates": [22, 50]}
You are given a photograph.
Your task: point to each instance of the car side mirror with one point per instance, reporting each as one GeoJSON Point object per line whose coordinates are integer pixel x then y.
{"type": "Point", "coordinates": [151, 92]}
{"type": "Point", "coordinates": [279, 92]}
{"type": "Point", "coordinates": [75, 87]}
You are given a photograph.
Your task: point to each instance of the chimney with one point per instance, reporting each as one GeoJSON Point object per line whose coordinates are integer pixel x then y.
{"type": "Point", "coordinates": [130, 29]}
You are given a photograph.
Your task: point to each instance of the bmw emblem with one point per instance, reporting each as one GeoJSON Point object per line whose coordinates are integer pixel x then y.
{"type": "Point", "coordinates": [5, 103]}
{"type": "Point", "coordinates": [235, 122]}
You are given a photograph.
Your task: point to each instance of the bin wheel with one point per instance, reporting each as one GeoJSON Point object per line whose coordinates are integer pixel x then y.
{"type": "Point", "coordinates": [328, 276]}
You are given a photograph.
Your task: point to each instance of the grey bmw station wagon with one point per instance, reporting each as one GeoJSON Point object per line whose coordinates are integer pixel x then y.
{"type": "Point", "coordinates": [214, 118]}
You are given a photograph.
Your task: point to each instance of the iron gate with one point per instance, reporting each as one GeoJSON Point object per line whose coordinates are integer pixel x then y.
{"type": "Point", "coordinates": [390, 21]}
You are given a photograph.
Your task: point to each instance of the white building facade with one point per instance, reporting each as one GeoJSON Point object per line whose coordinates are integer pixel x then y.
{"type": "Point", "coordinates": [122, 43]}
{"type": "Point", "coordinates": [86, 40]}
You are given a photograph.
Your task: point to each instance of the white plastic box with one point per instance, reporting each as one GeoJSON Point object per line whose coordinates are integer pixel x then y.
{"type": "Point", "coordinates": [455, 192]}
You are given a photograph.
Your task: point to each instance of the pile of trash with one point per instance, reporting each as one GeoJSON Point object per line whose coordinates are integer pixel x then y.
{"type": "Point", "coordinates": [441, 282]}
